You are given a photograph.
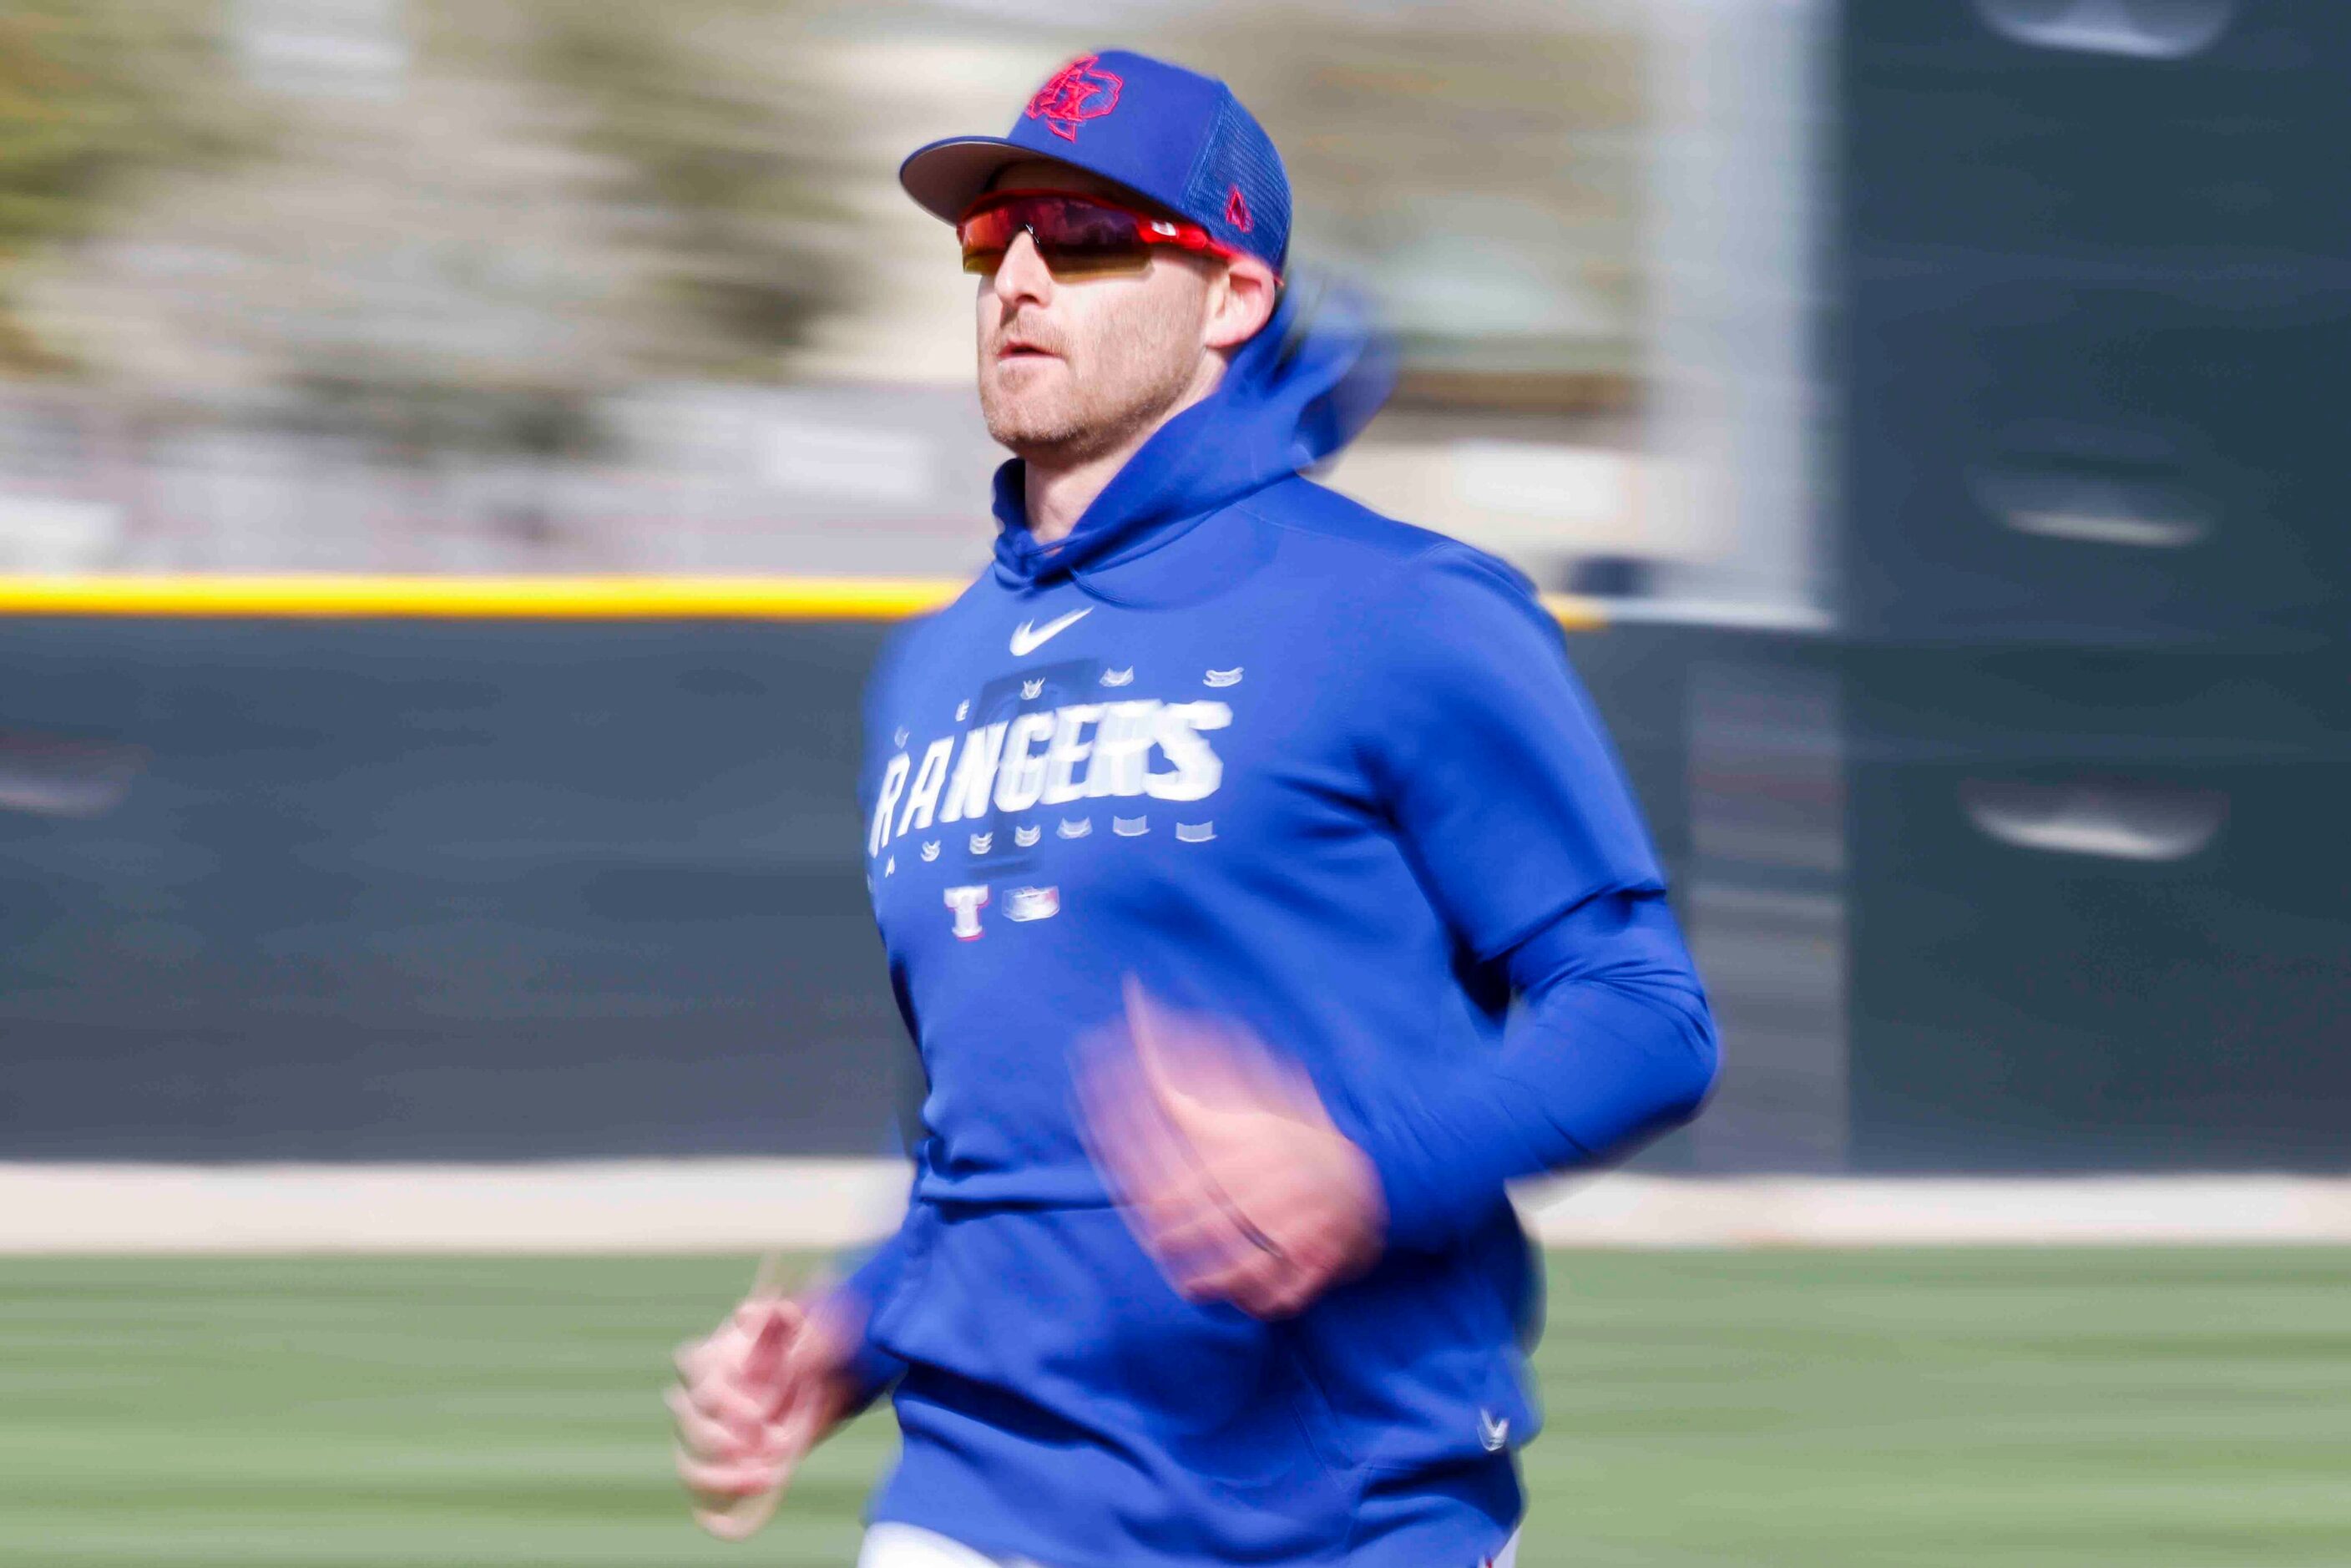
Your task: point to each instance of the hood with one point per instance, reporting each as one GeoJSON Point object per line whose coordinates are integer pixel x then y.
{"type": "Point", "coordinates": [1293, 395]}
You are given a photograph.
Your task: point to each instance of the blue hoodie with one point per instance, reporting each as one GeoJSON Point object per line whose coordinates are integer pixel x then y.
{"type": "Point", "coordinates": [1326, 774]}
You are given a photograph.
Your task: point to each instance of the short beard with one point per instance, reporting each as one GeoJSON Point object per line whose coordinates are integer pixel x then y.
{"type": "Point", "coordinates": [1066, 437]}
{"type": "Point", "coordinates": [1136, 386]}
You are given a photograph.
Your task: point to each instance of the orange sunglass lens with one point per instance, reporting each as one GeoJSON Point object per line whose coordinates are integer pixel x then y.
{"type": "Point", "coordinates": [1073, 237]}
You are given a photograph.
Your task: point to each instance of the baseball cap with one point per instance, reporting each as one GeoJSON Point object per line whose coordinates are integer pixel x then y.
{"type": "Point", "coordinates": [1172, 136]}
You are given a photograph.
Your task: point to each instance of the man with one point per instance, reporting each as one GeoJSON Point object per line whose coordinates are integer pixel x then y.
{"type": "Point", "coordinates": [1212, 834]}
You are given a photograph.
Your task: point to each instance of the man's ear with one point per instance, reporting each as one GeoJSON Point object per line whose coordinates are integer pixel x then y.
{"type": "Point", "coordinates": [1240, 302]}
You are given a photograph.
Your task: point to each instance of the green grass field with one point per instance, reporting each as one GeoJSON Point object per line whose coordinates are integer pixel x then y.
{"type": "Point", "coordinates": [2051, 1408]}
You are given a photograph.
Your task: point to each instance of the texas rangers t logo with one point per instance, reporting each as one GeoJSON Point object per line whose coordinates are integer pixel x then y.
{"type": "Point", "coordinates": [1077, 92]}
{"type": "Point", "coordinates": [966, 903]}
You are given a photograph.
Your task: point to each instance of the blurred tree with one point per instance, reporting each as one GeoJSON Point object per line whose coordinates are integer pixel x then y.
{"type": "Point", "coordinates": [93, 95]}
{"type": "Point", "coordinates": [532, 204]}
{"type": "Point", "coordinates": [715, 122]}
{"type": "Point", "coordinates": [1481, 165]}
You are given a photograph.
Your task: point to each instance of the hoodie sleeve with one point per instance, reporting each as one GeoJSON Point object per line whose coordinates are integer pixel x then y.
{"type": "Point", "coordinates": [1508, 799]}
{"type": "Point", "coordinates": [1483, 749]}
{"type": "Point", "coordinates": [872, 1369]}
{"type": "Point", "coordinates": [869, 1287]}
{"type": "Point", "coordinates": [1613, 1044]}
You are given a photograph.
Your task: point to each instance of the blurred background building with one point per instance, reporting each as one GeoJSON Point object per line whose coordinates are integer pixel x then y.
{"type": "Point", "coordinates": [1930, 401]}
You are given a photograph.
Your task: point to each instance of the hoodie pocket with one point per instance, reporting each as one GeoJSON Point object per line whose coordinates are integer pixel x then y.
{"type": "Point", "coordinates": [1059, 1312]}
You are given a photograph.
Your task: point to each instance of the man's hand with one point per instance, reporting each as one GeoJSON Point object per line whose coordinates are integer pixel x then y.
{"type": "Point", "coordinates": [1227, 1166]}
{"type": "Point", "coordinates": [753, 1398]}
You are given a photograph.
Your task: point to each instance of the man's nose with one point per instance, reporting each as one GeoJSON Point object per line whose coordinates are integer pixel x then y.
{"type": "Point", "coordinates": [1022, 274]}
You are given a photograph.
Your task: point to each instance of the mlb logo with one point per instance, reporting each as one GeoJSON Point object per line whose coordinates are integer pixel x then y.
{"type": "Point", "coordinates": [1032, 903]}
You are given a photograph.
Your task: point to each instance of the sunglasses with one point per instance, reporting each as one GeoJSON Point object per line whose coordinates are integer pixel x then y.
{"type": "Point", "coordinates": [1075, 234]}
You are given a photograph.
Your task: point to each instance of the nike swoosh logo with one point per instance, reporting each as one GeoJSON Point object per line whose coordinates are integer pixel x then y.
{"type": "Point", "coordinates": [1028, 639]}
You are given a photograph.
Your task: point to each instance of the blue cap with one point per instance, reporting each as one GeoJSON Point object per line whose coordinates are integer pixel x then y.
{"type": "Point", "coordinates": [1173, 137]}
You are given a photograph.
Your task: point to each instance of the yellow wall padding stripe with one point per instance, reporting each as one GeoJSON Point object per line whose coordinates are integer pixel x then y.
{"type": "Point", "coordinates": [481, 598]}
{"type": "Point", "coordinates": [522, 598]}
{"type": "Point", "coordinates": [1575, 614]}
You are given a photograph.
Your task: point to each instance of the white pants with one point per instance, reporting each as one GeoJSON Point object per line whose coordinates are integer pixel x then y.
{"type": "Point", "coordinates": [904, 1546]}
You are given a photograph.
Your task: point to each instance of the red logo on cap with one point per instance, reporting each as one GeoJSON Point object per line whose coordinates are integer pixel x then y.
{"type": "Point", "coordinates": [1237, 212]}
{"type": "Point", "coordinates": [1077, 92]}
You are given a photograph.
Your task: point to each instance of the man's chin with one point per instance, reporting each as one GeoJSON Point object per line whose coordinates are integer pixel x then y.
{"type": "Point", "coordinates": [1032, 431]}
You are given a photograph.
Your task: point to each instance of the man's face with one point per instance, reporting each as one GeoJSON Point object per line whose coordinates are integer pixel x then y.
{"type": "Point", "coordinates": [1071, 367]}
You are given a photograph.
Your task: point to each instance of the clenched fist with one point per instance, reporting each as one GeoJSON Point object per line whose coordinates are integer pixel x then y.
{"type": "Point", "coordinates": [753, 1398]}
{"type": "Point", "coordinates": [1225, 1165]}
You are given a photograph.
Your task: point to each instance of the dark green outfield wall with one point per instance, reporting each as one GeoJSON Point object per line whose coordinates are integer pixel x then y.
{"type": "Point", "coordinates": [426, 890]}
{"type": "Point", "coordinates": [531, 890]}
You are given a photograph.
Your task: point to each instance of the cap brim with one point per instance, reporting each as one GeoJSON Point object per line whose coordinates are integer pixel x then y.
{"type": "Point", "coordinates": [946, 177]}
